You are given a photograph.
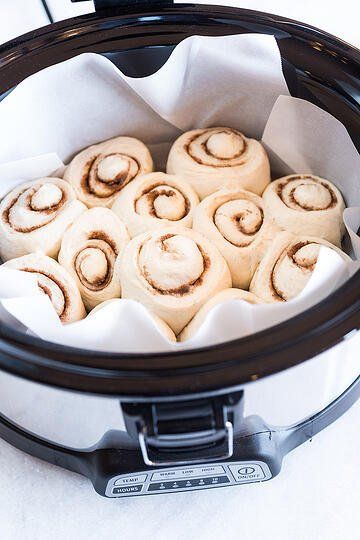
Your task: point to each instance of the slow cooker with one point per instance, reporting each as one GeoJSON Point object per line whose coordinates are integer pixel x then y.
{"type": "Point", "coordinates": [139, 424]}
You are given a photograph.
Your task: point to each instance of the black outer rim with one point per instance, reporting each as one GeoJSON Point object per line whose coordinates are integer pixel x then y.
{"type": "Point", "coordinates": [190, 372]}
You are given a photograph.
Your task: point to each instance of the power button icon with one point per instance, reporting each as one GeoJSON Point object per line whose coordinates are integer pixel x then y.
{"type": "Point", "coordinates": [246, 470]}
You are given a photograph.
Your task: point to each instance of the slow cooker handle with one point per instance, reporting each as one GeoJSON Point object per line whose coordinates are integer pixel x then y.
{"type": "Point", "coordinates": [189, 431]}
{"type": "Point", "coordinates": [293, 436]}
{"type": "Point", "coordinates": [119, 453]}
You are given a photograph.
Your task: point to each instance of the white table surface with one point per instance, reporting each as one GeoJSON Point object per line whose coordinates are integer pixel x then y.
{"type": "Point", "coordinates": [316, 496]}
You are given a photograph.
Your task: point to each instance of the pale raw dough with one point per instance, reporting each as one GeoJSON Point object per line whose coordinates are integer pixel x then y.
{"type": "Point", "coordinates": [287, 266]}
{"type": "Point", "coordinates": [100, 172]}
{"type": "Point", "coordinates": [308, 205]}
{"type": "Point", "coordinates": [173, 272]}
{"type": "Point", "coordinates": [219, 157]}
{"type": "Point", "coordinates": [35, 215]}
{"type": "Point", "coordinates": [55, 282]}
{"type": "Point", "coordinates": [235, 221]}
{"type": "Point", "coordinates": [91, 250]}
{"type": "Point", "coordinates": [156, 200]}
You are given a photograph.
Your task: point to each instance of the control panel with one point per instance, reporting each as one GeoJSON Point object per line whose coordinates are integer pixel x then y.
{"type": "Point", "coordinates": [187, 478]}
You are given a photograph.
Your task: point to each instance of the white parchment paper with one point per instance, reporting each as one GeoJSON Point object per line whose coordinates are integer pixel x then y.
{"type": "Point", "coordinates": [234, 81]}
{"type": "Point", "coordinates": [206, 81]}
{"type": "Point", "coordinates": [126, 325]}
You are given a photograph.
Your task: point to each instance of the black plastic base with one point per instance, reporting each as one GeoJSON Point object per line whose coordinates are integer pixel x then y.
{"type": "Point", "coordinates": [119, 454]}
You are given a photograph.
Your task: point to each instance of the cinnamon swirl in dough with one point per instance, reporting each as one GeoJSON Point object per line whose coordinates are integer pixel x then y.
{"type": "Point", "coordinates": [219, 157]}
{"type": "Point", "coordinates": [172, 271]}
{"type": "Point", "coordinates": [155, 200]}
{"type": "Point", "coordinates": [90, 251]}
{"type": "Point", "coordinates": [224, 296]}
{"type": "Point", "coordinates": [287, 266]}
{"type": "Point", "coordinates": [55, 282]}
{"type": "Point", "coordinates": [235, 222]}
{"type": "Point", "coordinates": [100, 172]}
{"type": "Point", "coordinates": [35, 215]}
{"type": "Point", "coordinates": [306, 204]}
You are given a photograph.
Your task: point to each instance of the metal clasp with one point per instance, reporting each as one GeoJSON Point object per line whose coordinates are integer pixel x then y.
{"type": "Point", "coordinates": [196, 456]}
{"type": "Point", "coordinates": [184, 432]}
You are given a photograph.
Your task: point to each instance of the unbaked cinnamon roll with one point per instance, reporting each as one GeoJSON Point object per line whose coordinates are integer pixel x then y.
{"type": "Point", "coordinates": [54, 281]}
{"type": "Point", "coordinates": [287, 266]}
{"type": "Point", "coordinates": [100, 172]}
{"type": "Point", "coordinates": [306, 204]}
{"type": "Point", "coordinates": [90, 251]}
{"type": "Point", "coordinates": [172, 272]}
{"type": "Point", "coordinates": [35, 215]}
{"type": "Point", "coordinates": [219, 157]}
{"type": "Point", "coordinates": [224, 296]}
{"type": "Point", "coordinates": [156, 200]}
{"type": "Point", "coordinates": [235, 221]}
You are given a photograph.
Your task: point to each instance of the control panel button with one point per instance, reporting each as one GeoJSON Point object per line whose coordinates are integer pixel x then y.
{"type": "Point", "coordinates": [170, 480]}
{"type": "Point", "coordinates": [127, 490]}
{"type": "Point", "coordinates": [192, 483]}
{"type": "Point", "coordinates": [205, 470]}
{"type": "Point", "coordinates": [130, 480]}
{"type": "Point", "coordinates": [247, 472]}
